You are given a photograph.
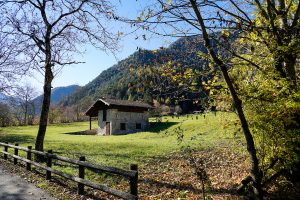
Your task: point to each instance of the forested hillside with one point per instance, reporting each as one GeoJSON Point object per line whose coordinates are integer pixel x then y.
{"type": "Point", "coordinates": [123, 80]}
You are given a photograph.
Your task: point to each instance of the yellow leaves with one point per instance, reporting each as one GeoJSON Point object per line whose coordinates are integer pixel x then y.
{"type": "Point", "coordinates": [215, 78]}
{"type": "Point", "coordinates": [211, 66]}
{"type": "Point", "coordinates": [188, 73]}
{"type": "Point", "coordinates": [225, 33]}
{"type": "Point", "coordinates": [253, 36]}
{"type": "Point", "coordinates": [189, 70]}
{"type": "Point", "coordinates": [149, 14]}
{"type": "Point", "coordinates": [203, 55]}
{"type": "Point", "coordinates": [241, 41]}
{"type": "Point", "coordinates": [194, 83]}
{"type": "Point", "coordinates": [139, 18]}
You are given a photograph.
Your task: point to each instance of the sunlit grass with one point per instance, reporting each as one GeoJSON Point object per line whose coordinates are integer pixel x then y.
{"type": "Point", "coordinates": [159, 140]}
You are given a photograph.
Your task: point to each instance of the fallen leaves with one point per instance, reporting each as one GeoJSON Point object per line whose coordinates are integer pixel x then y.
{"type": "Point", "coordinates": [173, 178]}
{"type": "Point", "coordinates": [169, 177]}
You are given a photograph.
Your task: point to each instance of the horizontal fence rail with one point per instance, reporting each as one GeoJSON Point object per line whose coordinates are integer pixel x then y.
{"type": "Point", "coordinates": [131, 175]}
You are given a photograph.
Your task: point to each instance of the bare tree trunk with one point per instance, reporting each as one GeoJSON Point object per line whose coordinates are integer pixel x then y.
{"type": "Point", "coordinates": [255, 172]}
{"type": "Point", "coordinates": [39, 144]}
{"type": "Point", "coordinates": [279, 65]}
{"type": "Point", "coordinates": [26, 113]}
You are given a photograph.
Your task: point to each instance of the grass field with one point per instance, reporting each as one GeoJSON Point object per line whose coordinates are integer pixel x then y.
{"type": "Point", "coordinates": [163, 167]}
{"type": "Point", "coordinates": [198, 131]}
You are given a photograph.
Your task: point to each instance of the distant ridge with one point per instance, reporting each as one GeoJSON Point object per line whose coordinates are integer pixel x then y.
{"type": "Point", "coordinates": [58, 94]}
{"type": "Point", "coordinates": [3, 98]}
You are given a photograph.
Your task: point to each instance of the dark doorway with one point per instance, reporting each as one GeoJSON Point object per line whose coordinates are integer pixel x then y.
{"type": "Point", "coordinates": [107, 128]}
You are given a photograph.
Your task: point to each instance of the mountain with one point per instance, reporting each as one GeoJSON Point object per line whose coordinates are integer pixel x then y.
{"type": "Point", "coordinates": [7, 99]}
{"type": "Point", "coordinates": [58, 94]}
{"type": "Point", "coordinates": [3, 98]}
{"type": "Point", "coordinates": [116, 80]}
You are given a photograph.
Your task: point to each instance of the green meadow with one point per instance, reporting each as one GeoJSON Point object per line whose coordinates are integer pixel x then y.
{"type": "Point", "coordinates": [170, 136]}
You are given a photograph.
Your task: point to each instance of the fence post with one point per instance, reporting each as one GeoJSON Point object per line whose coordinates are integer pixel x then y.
{"type": "Point", "coordinates": [28, 165]}
{"type": "Point", "coordinates": [49, 164]}
{"type": "Point", "coordinates": [6, 150]}
{"type": "Point", "coordinates": [81, 175]}
{"type": "Point", "coordinates": [16, 153]}
{"type": "Point", "coordinates": [134, 181]}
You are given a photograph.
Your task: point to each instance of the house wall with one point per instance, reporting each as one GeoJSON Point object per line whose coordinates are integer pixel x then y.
{"type": "Point", "coordinates": [116, 117]}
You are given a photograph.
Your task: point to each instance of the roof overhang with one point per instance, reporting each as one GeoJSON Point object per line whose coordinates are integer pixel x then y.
{"type": "Point", "coordinates": [102, 104]}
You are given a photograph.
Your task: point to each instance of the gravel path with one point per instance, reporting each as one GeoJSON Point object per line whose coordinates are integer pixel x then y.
{"type": "Point", "coordinates": [13, 187]}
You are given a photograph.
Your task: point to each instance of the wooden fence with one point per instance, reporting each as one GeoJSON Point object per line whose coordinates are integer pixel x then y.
{"type": "Point", "coordinates": [131, 175]}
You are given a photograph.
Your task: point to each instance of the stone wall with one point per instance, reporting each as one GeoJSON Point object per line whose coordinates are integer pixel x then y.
{"type": "Point", "coordinates": [115, 117]}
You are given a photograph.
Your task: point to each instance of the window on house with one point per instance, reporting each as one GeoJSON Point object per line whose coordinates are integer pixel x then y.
{"type": "Point", "coordinates": [138, 126]}
{"type": "Point", "coordinates": [104, 115]}
{"type": "Point", "coordinates": [122, 126]}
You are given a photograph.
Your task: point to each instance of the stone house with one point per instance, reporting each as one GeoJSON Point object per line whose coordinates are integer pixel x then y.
{"type": "Point", "coordinates": [119, 116]}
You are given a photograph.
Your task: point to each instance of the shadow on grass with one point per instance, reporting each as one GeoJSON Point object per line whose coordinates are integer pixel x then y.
{"type": "Point", "coordinates": [16, 138]}
{"type": "Point", "coordinates": [86, 132]}
{"type": "Point", "coordinates": [156, 127]}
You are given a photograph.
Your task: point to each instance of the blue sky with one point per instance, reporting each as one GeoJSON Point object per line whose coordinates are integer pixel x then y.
{"type": "Point", "coordinates": [95, 60]}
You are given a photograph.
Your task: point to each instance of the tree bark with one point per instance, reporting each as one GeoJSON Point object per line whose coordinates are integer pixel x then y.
{"type": "Point", "coordinates": [285, 65]}
{"type": "Point", "coordinates": [279, 65]}
{"type": "Point", "coordinates": [255, 172]}
{"type": "Point", "coordinates": [26, 112]}
{"type": "Point", "coordinates": [290, 63]}
{"type": "Point", "coordinates": [39, 144]}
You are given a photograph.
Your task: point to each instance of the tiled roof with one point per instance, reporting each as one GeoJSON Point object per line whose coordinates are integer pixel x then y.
{"type": "Point", "coordinates": [98, 105]}
{"type": "Point", "coordinates": [127, 103]}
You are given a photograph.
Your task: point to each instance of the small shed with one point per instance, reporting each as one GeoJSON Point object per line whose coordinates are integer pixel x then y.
{"type": "Point", "coordinates": [119, 116]}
